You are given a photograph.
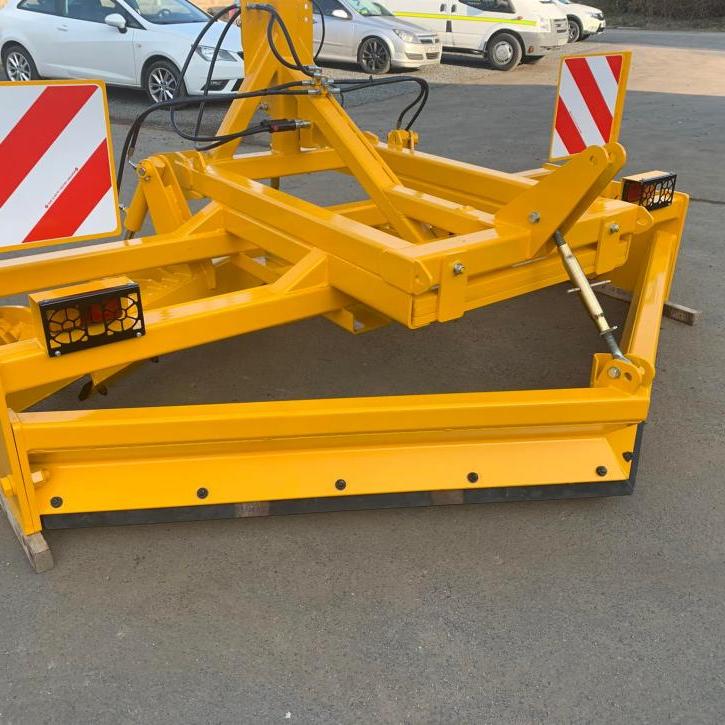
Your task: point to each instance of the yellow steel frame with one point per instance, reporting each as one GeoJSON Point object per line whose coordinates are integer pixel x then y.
{"type": "Point", "coordinates": [433, 239]}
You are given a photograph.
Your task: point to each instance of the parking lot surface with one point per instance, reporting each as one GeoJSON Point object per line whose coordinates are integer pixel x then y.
{"type": "Point", "coordinates": [692, 61]}
{"type": "Point", "coordinates": [568, 611]}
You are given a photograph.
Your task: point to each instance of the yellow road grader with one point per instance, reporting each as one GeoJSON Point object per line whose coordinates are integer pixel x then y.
{"type": "Point", "coordinates": [232, 252]}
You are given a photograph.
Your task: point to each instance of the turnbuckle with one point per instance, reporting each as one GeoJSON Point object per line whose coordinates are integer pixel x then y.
{"type": "Point", "coordinates": [584, 288]}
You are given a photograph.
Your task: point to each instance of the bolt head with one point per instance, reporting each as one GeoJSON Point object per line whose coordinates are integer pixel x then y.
{"type": "Point", "coordinates": [56, 502]}
{"type": "Point", "coordinates": [472, 477]}
{"type": "Point", "coordinates": [141, 171]}
{"type": "Point", "coordinates": [459, 268]}
{"type": "Point", "coordinates": [602, 471]}
{"type": "Point", "coordinates": [340, 484]}
{"type": "Point", "coordinates": [613, 228]}
{"type": "Point", "coordinates": [614, 373]}
{"type": "Point", "coordinates": [628, 456]}
{"type": "Point", "coordinates": [534, 217]}
{"type": "Point", "coordinates": [202, 493]}
{"type": "Point", "coordinates": [57, 353]}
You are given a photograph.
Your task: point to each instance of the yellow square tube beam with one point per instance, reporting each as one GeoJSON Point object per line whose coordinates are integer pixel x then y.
{"type": "Point", "coordinates": [25, 364]}
{"type": "Point", "coordinates": [203, 237]}
{"type": "Point", "coordinates": [124, 459]}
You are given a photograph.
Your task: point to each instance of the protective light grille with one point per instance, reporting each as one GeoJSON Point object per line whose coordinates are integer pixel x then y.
{"type": "Point", "coordinates": [90, 319]}
{"type": "Point", "coordinates": [655, 192]}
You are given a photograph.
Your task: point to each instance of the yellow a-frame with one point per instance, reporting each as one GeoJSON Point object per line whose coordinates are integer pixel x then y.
{"type": "Point", "coordinates": [434, 239]}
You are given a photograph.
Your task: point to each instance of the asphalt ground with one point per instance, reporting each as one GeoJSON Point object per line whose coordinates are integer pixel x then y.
{"type": "Point", "coordinates": [686, 56]}
{"type": "Point", "coordinates": [604, 611]}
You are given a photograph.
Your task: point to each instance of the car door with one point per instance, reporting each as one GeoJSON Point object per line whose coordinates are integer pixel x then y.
{"type": "Point", "coordinates": [474, 21]}
{"type": "Point", "coordinates": [94, 49]}
{"type": "Point", "coordinates": [38, 21]}
{"type": "Point", "coordinates": [339, 30]}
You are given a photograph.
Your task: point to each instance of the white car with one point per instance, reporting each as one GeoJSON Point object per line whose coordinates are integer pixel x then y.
{"type": "Point", "coordinates": [584, 20]}
{"type": "Point", "coordinates": [366, 32]}
{"type": "Point", "coordinates": [136, 43]}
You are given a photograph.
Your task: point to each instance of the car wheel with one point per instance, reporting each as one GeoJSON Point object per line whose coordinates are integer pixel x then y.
{"type": "Point", "coordinates": [504, 51]}
{"type": "Point", "coordinates": [575, 30]}
{"type": "Point", "coordinates": [373, 56]}
{"type": "Point", "coordinates": [19, 64]}
{"type": "Point", "coordinates": [162, 81]}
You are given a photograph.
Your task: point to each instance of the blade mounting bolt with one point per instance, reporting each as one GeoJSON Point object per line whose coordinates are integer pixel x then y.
{"type": "Point", "coordinates": [602, 471]}
{"type": "Point", "coordinates": [459, 268]}
{"type": "Point", "coordinates": [472, 477]}
{"type": "Point", "coordinates": [202, 493]}
{"type": "Point", "coordinates": [340, 484]}
{"type": "Point", "coordinates": [56, 502]}
{"type": "Point", "coordinates": [534, 217]}
{"type": "Point", "coordinates": [628, 456]}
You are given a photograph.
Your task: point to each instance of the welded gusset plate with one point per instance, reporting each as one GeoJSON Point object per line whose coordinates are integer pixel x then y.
{"type": "Point", "coordinates": [91, 319]}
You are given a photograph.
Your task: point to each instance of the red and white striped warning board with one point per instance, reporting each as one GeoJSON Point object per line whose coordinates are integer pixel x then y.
{"type": "Point", "coordinates": [57, 182]}
{"type": "Point", "coordinates": [589, 103]}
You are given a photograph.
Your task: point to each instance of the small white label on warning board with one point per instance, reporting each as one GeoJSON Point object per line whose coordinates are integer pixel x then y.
{"type": "Point", "coordinates": [58, 181]}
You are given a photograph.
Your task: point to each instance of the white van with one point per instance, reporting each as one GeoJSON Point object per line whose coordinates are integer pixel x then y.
{"type": "Point", "coordinates": [504, 31]}
{"type": "Point", "coordinates": [584, 20]}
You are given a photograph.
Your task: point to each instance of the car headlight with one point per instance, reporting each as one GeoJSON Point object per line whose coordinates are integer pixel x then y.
{"type": "Point", "coordinates": [405, 36]}
{"type": "Point", "coordinates": [207, 53]}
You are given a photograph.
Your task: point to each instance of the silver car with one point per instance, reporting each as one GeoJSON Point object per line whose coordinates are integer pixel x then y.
{"type": "Point", "coordinates": [367, 33]}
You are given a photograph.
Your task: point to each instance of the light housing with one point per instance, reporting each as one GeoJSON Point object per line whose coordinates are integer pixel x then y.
{"type": "Point", "coordinates": [405, 36]}
{"type": "Point", "coordinates": [88, 315]}
{"type": "Point", "coordinates": [206, 52]}
{"type": "Point", "coordinates": [652, 190]}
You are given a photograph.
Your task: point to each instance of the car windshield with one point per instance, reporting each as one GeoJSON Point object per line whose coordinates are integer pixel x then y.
{"type": "Point", "coordinates": [369, 8]}
{"type": "Point", "coordinates": [168, 12]}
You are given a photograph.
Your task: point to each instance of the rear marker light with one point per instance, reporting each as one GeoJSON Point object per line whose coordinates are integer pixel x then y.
{"type": "Point", "coordinates": [89, 319]}
{"type": "Point", "coordinates": [653, 190]}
